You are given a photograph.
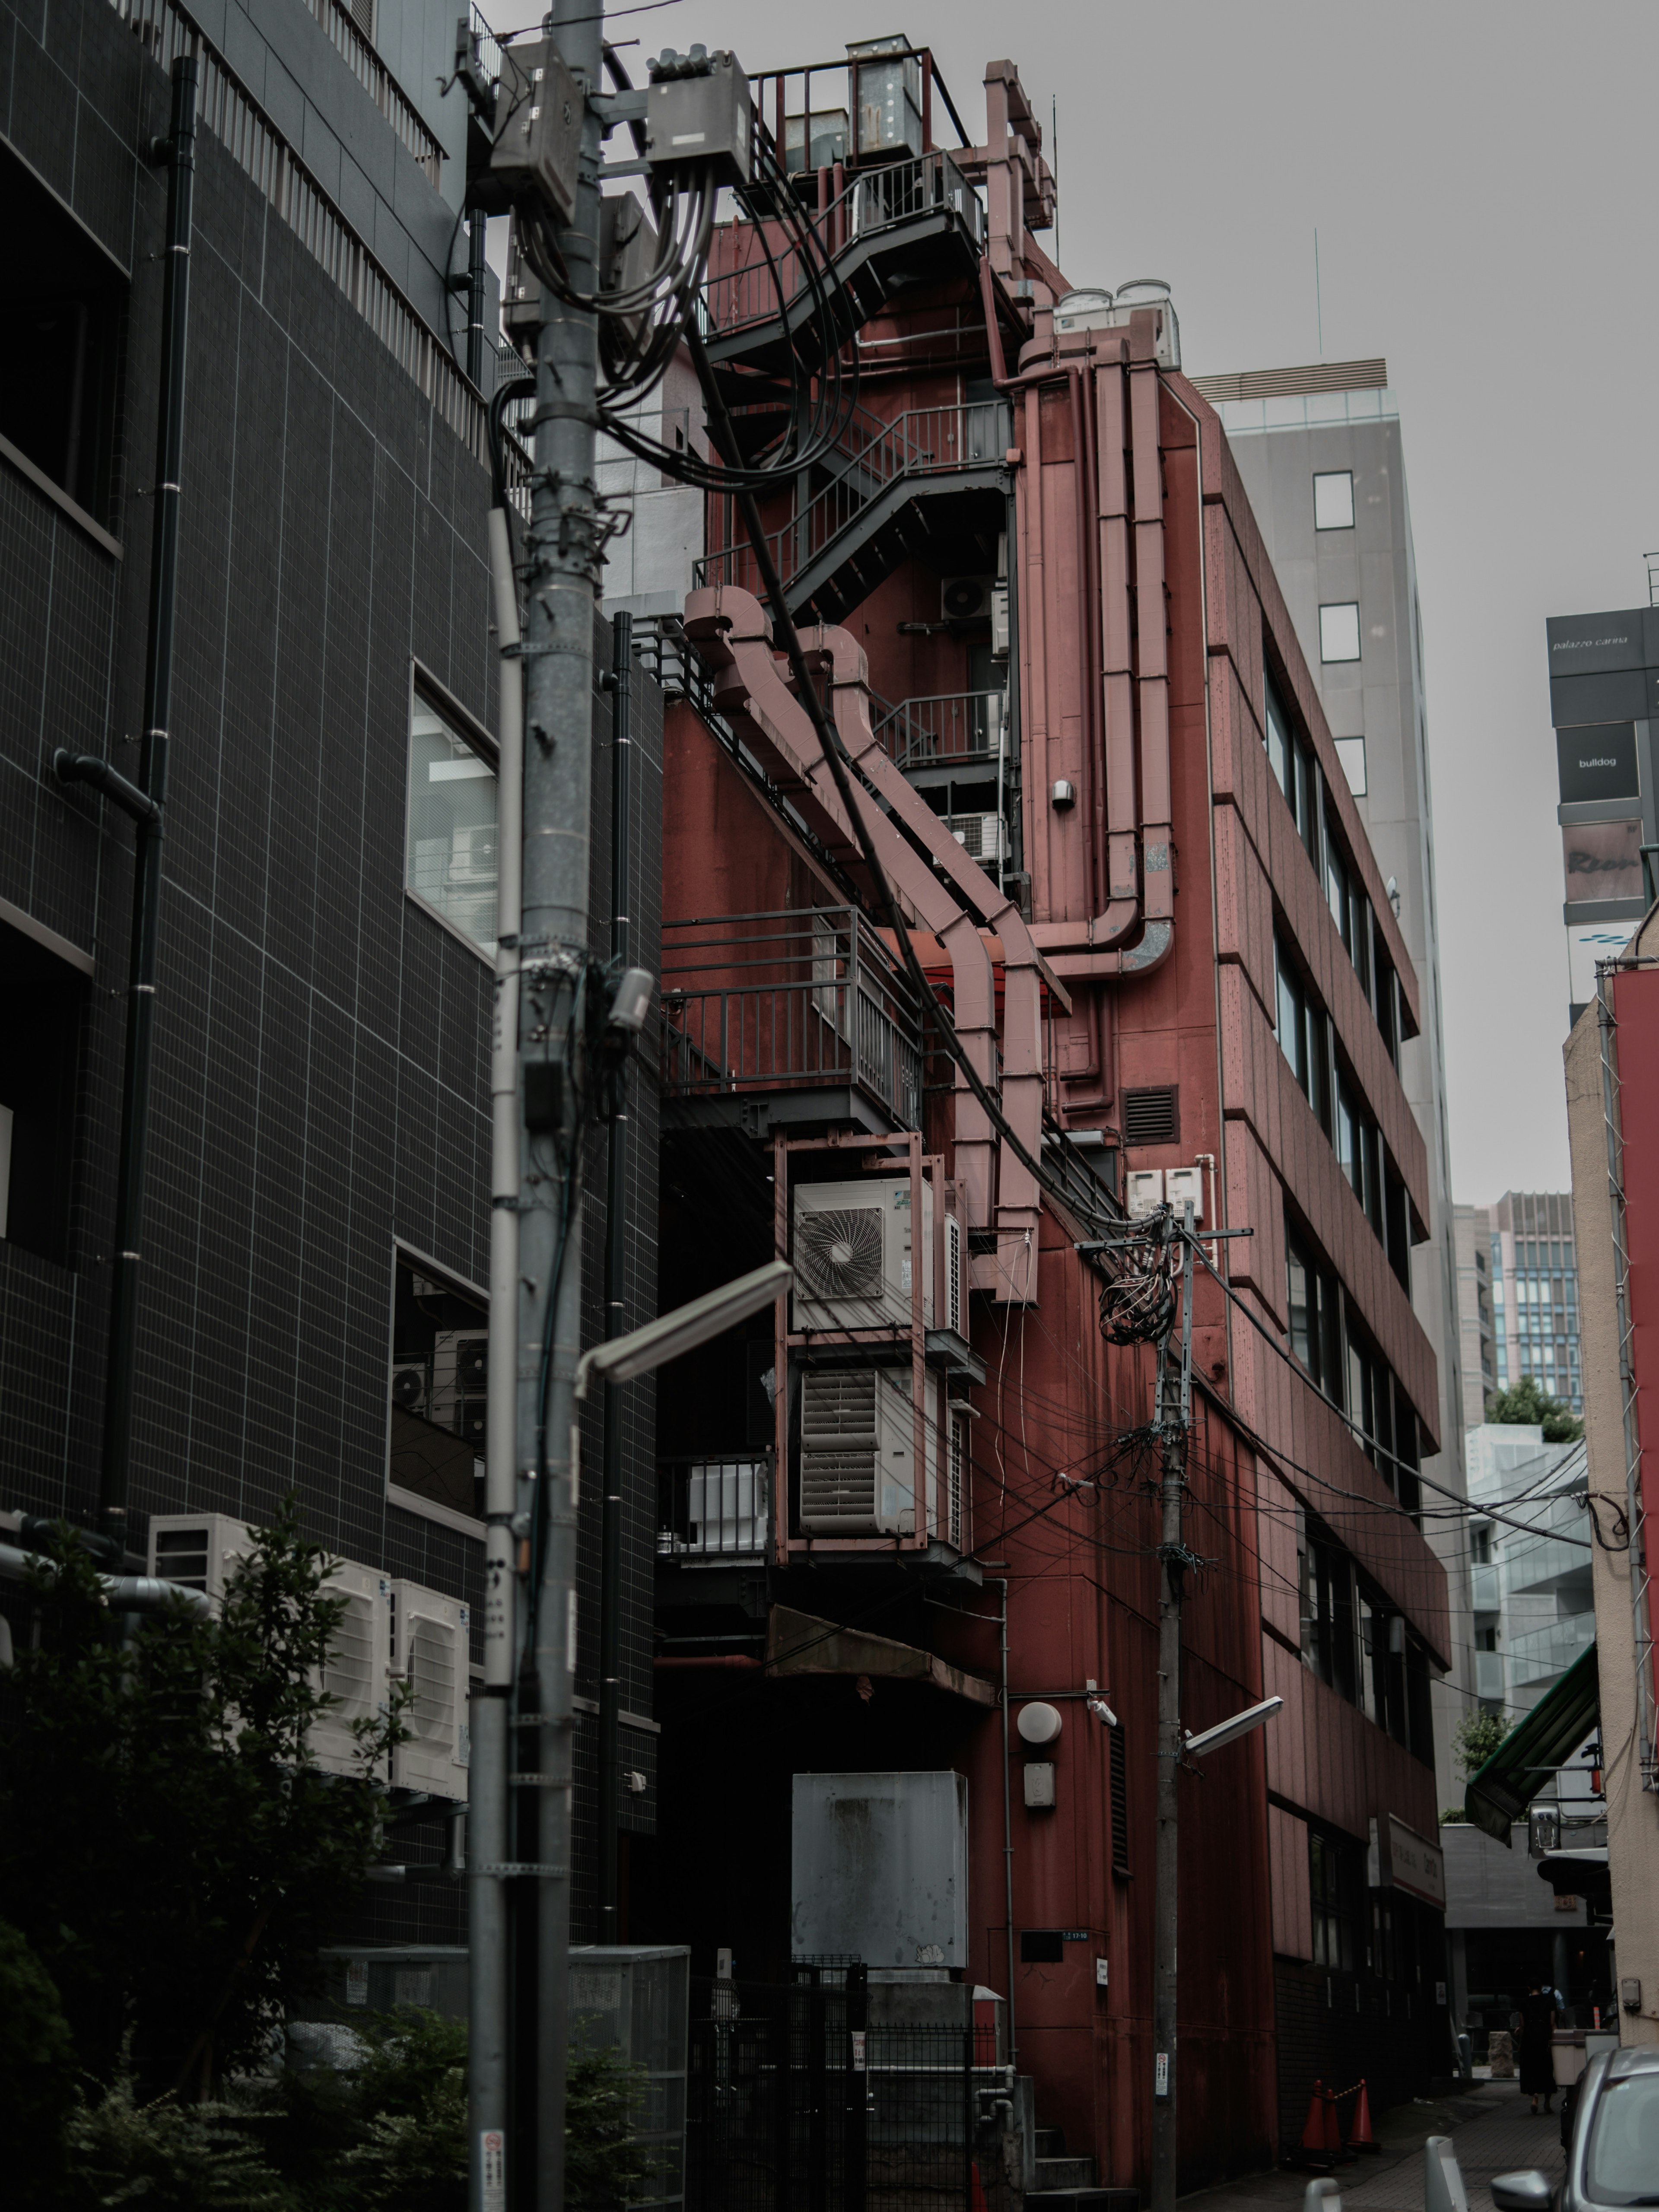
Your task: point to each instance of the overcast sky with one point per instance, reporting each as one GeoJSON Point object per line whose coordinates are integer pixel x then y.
{"type": "Point", "coordinates": [1482, 179]}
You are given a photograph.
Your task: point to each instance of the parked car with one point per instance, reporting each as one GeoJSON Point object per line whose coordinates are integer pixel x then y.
{"type": "Point", "coordinates": [1613, 2159]}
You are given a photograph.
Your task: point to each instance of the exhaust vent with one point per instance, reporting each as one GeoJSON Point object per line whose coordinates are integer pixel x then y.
{"type": "Point", "coordinates": [1152, 1117]}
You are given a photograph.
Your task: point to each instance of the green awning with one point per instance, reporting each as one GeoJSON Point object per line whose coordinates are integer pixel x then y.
{"type": "Point", "coordinates": [1500, 1793]}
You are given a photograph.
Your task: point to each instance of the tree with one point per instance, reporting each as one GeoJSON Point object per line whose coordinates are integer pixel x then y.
{"type": "Point", "coordinates": [37, 2072]}
{"type": "Point", "coordinates": [165, 1848]}
{"type": "Point", "coordinates": [1475, 1738]}
{"type": "Point", "coordinates": [1526, 1402]}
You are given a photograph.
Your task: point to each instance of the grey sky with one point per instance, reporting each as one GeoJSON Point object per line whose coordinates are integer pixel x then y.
{"type": "Point", "coordinates": [1480, 178]}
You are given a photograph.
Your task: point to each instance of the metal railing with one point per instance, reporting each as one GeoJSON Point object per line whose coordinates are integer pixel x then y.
{"type": "Point", "coordinates": [714, 1509]}
{"type": "Point", "coordinates": [377, 80]}
{"type": "Point", "coordinates": [876, 200]}
{"type": "Point", "coordinates": [922, 442]}
{"type": "Point", "coordinates": [787, 1001]}
{"type": "Point", "coordinates": [952, 726]}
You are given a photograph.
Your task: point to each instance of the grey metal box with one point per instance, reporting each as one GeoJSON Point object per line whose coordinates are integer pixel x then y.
{"type": "Point", "coordinates": [634, 1998]}
{"type": "Point", "coordinates": [702, 119]}
{"type": "Point", "coordinates": [539, 139]}
{"type": "Point", "coordinates": [879, 1868]}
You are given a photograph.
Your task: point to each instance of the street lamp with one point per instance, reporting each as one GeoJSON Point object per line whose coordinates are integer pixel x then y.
{"type": "Point", "coordinates": [665, 1339]}
{"type": "Point", "coordinates": [1211, 1739]}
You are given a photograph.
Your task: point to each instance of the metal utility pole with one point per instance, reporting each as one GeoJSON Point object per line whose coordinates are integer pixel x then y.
{"type": "Point", "coordinates": [563, 545]}
{"type": "Point", "coordinates": [1175, 1416]}
{"type": "Point", "coordinates": [615, 1218]}
{"type": "Point", "coordinates": [145, 802]}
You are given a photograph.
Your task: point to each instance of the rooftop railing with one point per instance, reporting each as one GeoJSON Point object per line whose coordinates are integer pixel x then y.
{"type": "Point", "coordinates": [952, 725]}
{"type": "Point", "coordinates": [714, 1509]}
{"type": "Point", "coordinates": [805, 999]}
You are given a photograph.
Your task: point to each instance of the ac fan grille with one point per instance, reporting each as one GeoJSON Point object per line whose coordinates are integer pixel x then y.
{"type": "Point", "coordinates": [836, 1405]}
{"type": "Point", "coordinates": [432, 1680]}
{"type": "Point", "coordinates": [839, 1253]}
{"type": "Point", "coordinates": [349, 1677]}
{"type": "Point", "coordinates": [838, 1487]}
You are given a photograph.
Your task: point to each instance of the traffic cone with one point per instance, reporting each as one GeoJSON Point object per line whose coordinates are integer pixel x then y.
{"type": "Point", "coordinates": [1319, 2137]}
{"type": "Point", "coordinates": [1360, 2137]}
{"type": "Point", "coordinates": [976, 2194]}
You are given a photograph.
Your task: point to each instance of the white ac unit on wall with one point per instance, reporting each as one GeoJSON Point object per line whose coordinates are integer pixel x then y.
{"type": "Point", "coordinates": [430, 1656]}
{"type": "Point", "coordinates": [858, 1452]}
{"type": "Point", "coordinates": [958, 1477]}
{"type": "Point", "coordinates": [853, 1253]}
{"type": "Point", "coordinates": [952, 1309]}
{"type": "Point", "coordinates": [983, 837]}
{"type": "Point", "coordinates": [197, 1549]}
{"type": "Point", "coordinates": [355, 1671]}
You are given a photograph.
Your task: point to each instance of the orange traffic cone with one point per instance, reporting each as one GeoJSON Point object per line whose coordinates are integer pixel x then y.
{"type": "Point", "coordinates": [1320, 2139]}
{"type": "Point", "coordinates": [1361, 2137]}
{"type": "Point", "coordinates": [976, 2194]}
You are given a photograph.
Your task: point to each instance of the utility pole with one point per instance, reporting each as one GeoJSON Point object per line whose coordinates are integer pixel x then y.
{"type": "Point", "coordinates": [616, 1250]}
{"type": "Point", "coordinates": [1175, 1416]}
{"type": "Point", "coordinates": [563, 545]}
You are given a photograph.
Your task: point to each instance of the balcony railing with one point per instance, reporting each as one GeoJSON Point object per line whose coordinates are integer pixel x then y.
{"type": "Point", "coordinates": [877, 200]}
{"type": "Point", "coordinates": [954, 726]}
{"type": "Point", "coordinates": [806, 998]}
{"type": "Point", "coordinates": [714, 1509]}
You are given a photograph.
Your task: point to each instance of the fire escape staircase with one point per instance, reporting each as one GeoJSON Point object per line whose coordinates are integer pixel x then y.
{"type": "Point", "coordinates": [930, 484]}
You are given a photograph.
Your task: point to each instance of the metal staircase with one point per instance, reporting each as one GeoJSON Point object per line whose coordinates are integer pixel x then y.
{"type": "Point", "coordinates": [930, 485]}
{"type": "Point", "coordinates": [1067, 2182]}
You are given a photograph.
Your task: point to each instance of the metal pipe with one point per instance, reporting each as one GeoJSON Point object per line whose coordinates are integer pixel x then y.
{"type": "Point", "coordinates": [126, 1592]}
{"type": "Point", "coordinates": [615, 1219]}
{"type": "Point", "coordinates": [476, 266]}
{"type": "Point", "coordinates": [1007, 1824]}
{"type": "Point", "coordinates": [115, 1472]}
{"type": "Point", "coordinates": [565, 550]}
{"type": "Point", "coordinates": [1175, 1386]}
{"type": "Point", "coordinates": [488, 1791]}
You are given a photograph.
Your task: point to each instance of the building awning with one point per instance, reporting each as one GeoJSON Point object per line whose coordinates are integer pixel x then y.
{"type": "Point", "coordinates": [1501, 1791]}
{"type": "Point", "coordinates": [801, 1643]}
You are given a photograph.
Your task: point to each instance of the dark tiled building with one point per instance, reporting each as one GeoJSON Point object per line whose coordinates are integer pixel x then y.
{"type": "Point", "coordinates": [318, 1196]}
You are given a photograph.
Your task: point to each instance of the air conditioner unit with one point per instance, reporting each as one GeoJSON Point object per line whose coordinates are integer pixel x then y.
{"type": "Point", "coordinates": [1095, 309]}
{"type": "Point", "coordinates": [999, 622]}
{"type": "Point", "coordinates": [952, 1314]}
{"type": "Point", "coordinates": [197, 1549]}
{"type": "Point", "coordinates": [858, 1452]}
{"type": "Point", "coordinates": [522, 295]}
{"type": "Point", "coordinates": [354, 1672]}
{"type": "Point", "coordinates": [430, 1656]}
{"type": "Point", "coordinates": [966, 599]}
{"type": "Point", "coordinates": [982, 837]}
{"type": "Point", "coordinates": [460, 1371]}
{"type": "Point", "coordinates": [958, 1473]}
{"type": "Point", "coordinates": [853, 1254]}
{"type": "Point", "coordinates": [411, 1385]}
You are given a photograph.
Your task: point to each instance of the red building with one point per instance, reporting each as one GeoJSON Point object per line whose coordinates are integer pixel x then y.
{"type": "Point", "coordinates": [1099, 781]}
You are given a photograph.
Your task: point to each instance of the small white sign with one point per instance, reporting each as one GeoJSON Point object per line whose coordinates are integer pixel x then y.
{"type": "Point", "coordinates": [1101, 1966]}
{"type": "Point", "coordinates": [492, 2170]}
{"type": "Point", "coordinates": [857, 2035]}
{"type": "Point", "coordinates": [1161, 2074]}
{"type": "Point", "coordinates": [357, 1981]}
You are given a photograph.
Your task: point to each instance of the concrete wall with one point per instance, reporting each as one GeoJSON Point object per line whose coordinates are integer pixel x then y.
{"type": "Point", "coordinates": [1633, 1814]}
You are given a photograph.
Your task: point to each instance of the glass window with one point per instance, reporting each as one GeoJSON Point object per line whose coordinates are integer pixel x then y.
{"type": "Point", "coordinates": [1277, 734]}
{"type": "Point", "coordinates": [439, 1375]}
{"type": "Point", "coordinates": [1350, 751]}
{"type": "Point", "coordinates": [1339, 631]}
{"type": "Point", "coordinates": [1306, 808]}
{"type": "Point", "coordinates": [1333, 500]}
{"type": "Point", "coordinates": [452, 844]}
{"type": "Point", "coordinates": [1331, 1890]}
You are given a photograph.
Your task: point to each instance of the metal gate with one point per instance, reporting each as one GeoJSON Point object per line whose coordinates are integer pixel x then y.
{"type": "Point", "coordinates": [795, 2104]}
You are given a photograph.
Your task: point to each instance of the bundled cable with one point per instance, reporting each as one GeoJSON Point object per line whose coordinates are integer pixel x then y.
{"type": "Point", "coordinates": [1137, 1305]}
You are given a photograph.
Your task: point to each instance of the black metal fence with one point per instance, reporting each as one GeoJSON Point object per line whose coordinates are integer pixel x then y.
{"type": "Point", "coordinates": [795, 2103]}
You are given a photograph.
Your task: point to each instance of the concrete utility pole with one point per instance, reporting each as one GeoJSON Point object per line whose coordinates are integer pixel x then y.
{"type": "Point", "coordinates": [1175, 1416]}
{"type": "Point", "coordinates": [564, 543]}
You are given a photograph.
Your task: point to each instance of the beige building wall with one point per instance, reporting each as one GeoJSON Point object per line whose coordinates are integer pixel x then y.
{"type": "Point", "coordinates": [1633, 1812]}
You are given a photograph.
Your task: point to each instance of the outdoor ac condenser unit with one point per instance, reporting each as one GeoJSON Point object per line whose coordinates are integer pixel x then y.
{"type": "Point", "coordinates": [853, 1257]}
{"type": "Point", "coordinates": [858, 1452]}
{"type": "Point", "coordinates": [197, 1549]}
{"type": "Point", "coordinates": [355, 1671]}
{"type": "Point", "coordinates": [983, 837]}
{"type": "Point", "coordinates": [430, 1654]}
{"type": "Point", "coordinates": [952, 1314]}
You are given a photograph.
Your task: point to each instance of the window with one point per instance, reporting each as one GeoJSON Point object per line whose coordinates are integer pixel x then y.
{"type": "Point", "coordinates": [1339, 631]}
{"type": "Point", "coordinates": [439, 1374]}
{"type": "Point", "coordinates": [1327, 1624]}
{"type": "Point", "coordinates": [1331, 1884]}
{"type": "Point", "coordinates": [59, 369]}
{"type": "Point", "coordinates": [1350, 751]}
{"type": "Point", "coordinates": [453, 843]}
{"type": "Point", "coordinates": [1316, 1322]}
{"type": "Point", "coordinates": [1624, 2145]}
{"type": "Point", "coordinates": [1303, 1036]}
{"type": "Point", "coordinates": [41, 998]}
{"type": "Point", "coordinates": [1480, 1544]}
{"type": "Point", "coordinates": [1277, 735]}
{"type": "Point", "coordinates": [1359, 1151]}
{"type": "Point", "coordinates": [1333, 500]}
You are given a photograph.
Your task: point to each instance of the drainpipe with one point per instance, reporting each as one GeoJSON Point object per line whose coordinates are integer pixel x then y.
{"type": "Point", "coordinates": [1008, 1825]}
{"type": "Point", "coordinates": [734, 635]}
{"type": "Point", "coordinates": [476, 267]}
{"type": "Point", "coordinates": [179, 149]}
{"type": "Point", "coordinates": [616, 1217]}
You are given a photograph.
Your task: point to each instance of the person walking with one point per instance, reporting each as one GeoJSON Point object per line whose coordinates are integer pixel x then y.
{"type": "Point", "coordinates": [1537, 2046]}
